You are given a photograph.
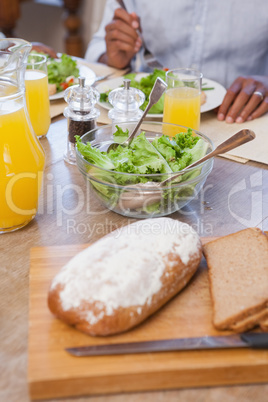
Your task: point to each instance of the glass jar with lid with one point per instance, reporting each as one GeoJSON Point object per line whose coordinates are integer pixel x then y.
{"type": "Point", "coordinates": [126, 102]}
{"type": "Point", "coordinates": [80, 113]}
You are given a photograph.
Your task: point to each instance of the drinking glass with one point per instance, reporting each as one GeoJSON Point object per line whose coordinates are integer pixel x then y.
{"type": "Point", "coordinates": [36, 92]}
{"type": "Point", "coordinates": [182, 98]}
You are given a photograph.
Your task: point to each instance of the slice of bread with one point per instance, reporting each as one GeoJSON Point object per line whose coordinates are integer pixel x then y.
{"type": "Point", "coordinates": [238, 274]}
{"type": "Point", "coordinates": [264, 324]}
{"type": "Point", "coordinates": [251, 321]}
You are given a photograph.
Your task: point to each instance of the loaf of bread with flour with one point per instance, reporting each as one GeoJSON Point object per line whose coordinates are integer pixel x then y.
{"type": "Point", "coordinates": [126, 276]}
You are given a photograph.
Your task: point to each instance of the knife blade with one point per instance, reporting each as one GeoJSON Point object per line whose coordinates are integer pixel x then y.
{"type": "Point", "coordinates": [246, 340]}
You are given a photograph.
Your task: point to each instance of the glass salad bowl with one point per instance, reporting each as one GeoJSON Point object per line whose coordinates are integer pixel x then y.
{"type": "Point", "coordinates": [140, 195]}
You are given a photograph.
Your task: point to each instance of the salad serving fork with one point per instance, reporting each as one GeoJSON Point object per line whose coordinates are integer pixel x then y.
{"type": "Point", "coordinates": [149, 58]}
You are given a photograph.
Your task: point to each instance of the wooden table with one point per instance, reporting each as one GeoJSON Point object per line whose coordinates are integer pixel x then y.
{"type": "Point", "coordinates": [234, 196]}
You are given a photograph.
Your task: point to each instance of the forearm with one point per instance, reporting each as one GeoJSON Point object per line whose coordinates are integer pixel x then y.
{"type": "Point", "coordinates": [97, 45]}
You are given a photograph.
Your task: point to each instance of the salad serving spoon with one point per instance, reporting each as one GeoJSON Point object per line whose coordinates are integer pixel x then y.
{"type": "Point", "coordinates": [155, 94]}
{"type": "Point", "coordinates": [134, 198]}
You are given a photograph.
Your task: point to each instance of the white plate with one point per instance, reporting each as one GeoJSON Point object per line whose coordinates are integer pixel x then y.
{"type": "Point", "coordinates": [84, 71]}
{"type": "Point", "coordinates": [214, 96]}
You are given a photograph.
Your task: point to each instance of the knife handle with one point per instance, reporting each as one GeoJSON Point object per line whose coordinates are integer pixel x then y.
{"type": "Point", "coordinates": [256, 340]}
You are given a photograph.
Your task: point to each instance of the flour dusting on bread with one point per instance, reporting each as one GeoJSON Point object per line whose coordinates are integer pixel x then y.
{"type": "Point", "coordinates": [126, 268]}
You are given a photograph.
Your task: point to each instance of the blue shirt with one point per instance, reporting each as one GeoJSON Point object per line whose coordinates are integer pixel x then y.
{"type": "Point", "coordinates": [222, 39]}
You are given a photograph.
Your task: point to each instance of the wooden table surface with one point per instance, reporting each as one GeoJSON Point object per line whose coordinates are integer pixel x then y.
{"type": "Point", "coordinates": [235, 196]}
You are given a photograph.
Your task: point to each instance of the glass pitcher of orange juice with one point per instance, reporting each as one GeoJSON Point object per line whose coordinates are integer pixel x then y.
{"type": "Point", "coordinates": [21, 155]}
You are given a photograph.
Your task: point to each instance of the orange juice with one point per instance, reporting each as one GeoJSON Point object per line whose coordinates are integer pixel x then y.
{"type": "Point", "coordinates": [37, 98]}
{"type": "Point", "coordinates": [21, 165]}
{"type": "Point", "coordinates": [182, 106]}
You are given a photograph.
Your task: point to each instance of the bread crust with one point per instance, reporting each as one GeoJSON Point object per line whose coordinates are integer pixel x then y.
{"type": "Point", "coordinates": [175, 276]}
{"type": "Point", "coordinates": [264, 323]}
{"type": "Point", "coordinates": [251, 321]}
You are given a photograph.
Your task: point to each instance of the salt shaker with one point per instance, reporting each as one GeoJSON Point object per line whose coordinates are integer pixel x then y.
{"type": "Point", "coordinates": [81, 114]}
{"type": "Point", "coordinates": [126, 102]}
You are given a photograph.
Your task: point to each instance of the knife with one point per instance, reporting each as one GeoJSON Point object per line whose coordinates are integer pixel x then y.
{"type": "Point", "coordinates": [246, 340]}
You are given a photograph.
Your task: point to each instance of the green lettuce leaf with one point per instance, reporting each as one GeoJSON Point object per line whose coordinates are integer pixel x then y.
{"type": "Point", "coordinates": [104, 96]}
{"type": "Point", "coordinates": [181, 150]}
{"type": "Point", "coordinates": [94, 155]}
{"type": "Point", "coordinates": [146, 85]}
{"type": "Point", "coordinates": [198, 150]}
{"type": "Point", "coordinates": [146, 157]}
{"type": "Point", "coordinates": [122, 159]}
{"type": "Point", "coordinates": [165, 147]}
{"type": "Point", "coordinates": [173, 154]}
{"type": "Point", "coordinates": [185, 140]}
{"type": "Point", "coordinates": [120, 135]}
{"type": "Point", "coordinates": [140, 158]}
{"type": "Point", "coordinates": [157, 108]}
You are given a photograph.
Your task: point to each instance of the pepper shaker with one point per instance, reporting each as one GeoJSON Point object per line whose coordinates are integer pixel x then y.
{"type": "Point", "coordinates": [126, 102]}
{"type": "Point", "coordinates": [80, 113]}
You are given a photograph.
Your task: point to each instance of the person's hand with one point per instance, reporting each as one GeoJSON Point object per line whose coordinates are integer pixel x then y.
{"type": "Point", "coordinates": [246, 99]}
{"type": "Point", "coordinates": [122, 39]}
{"type": "Point", "coordinates": [40, 47]}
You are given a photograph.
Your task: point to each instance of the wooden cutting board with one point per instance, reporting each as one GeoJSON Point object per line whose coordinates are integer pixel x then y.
{"type": "Point", "coordinates": [53, 373]}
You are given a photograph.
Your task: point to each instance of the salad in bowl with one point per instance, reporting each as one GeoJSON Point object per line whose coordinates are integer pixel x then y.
{"type": "Point", "coordinates": [126, 180]}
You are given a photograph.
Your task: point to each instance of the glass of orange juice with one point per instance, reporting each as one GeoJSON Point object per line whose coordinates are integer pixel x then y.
{"type": "Point", "coordinates": [36, 92]}
{"type": "Point", "coordinates": [182, 98]}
